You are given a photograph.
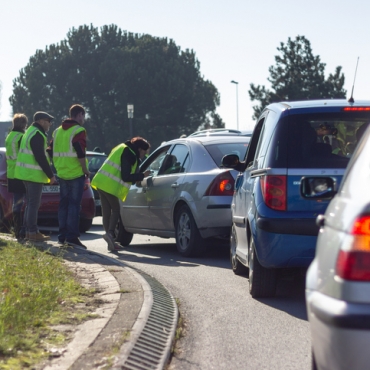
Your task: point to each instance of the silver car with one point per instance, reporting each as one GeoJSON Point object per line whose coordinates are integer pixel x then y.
{"type": "Point", "coordinates": [188, 195]}
{"type": "Point", "coordinates": [338, 279]}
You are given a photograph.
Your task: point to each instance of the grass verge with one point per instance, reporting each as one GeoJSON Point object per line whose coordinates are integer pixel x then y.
{"type": "Point", "coordinates": [37, 291]}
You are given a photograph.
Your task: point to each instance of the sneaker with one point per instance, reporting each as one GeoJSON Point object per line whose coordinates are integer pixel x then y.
{"type": "Point", "coordinates": [37, 237]}
{"type": "Point", "coordinates": [75, 242]}
{"type": "Point", "coordinates": [108, 238]}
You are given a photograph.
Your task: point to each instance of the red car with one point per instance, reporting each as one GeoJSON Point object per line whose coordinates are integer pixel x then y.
{"type": "Point", "coordinates": [48, 212]}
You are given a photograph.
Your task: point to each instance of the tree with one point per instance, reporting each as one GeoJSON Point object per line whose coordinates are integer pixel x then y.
{"type": "Point", "coordinates": [106, 69]}
{"type": "Point", "coordinates": [298, 75]}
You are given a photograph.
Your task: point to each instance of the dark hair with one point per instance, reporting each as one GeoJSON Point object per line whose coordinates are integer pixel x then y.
{"type": "Point", "coordinates": [75, 110]}
{"type": "Point", "coordinates": [140, 143]}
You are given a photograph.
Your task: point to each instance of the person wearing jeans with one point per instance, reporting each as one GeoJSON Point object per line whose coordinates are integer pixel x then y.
{"type": "Point", "coordinates": [70, 206]}
{"type": "Point", "coordinates": [68, 150]}
{"type": "Point", "coordinates": [34, 169]}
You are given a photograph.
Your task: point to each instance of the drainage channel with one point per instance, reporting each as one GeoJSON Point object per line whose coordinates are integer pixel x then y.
{"type": "Point", "coordinates": [153, 346]}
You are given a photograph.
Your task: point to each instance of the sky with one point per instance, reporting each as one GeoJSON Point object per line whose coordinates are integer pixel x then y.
{"type": "Point", "coordinates": [233, 40]}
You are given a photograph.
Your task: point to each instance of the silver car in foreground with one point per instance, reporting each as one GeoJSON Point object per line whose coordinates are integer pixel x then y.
{"type": "Point", "coordinates": [188, 196]}
{"type": "Point", "coordinates": [338, 279]}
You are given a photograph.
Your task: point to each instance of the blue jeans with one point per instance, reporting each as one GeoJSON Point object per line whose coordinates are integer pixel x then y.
{"type": "Point", "coordinates": [69, 207]}
{"type": "Point", "coordinates": [33, 201]}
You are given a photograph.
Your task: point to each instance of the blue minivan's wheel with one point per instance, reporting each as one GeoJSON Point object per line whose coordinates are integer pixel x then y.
{"type": "Point", "coordinates": [262, 281]}
{"type": "Point", "coordinates": [237, 267]}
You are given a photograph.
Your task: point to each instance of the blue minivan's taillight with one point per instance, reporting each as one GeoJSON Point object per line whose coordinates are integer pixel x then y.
{"type": "Point", "coordinates": [274, 191]}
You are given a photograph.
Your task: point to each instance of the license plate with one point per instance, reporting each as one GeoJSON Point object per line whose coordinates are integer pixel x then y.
{"type": "Point", "coordinates": [50, 189]}
{"type": "Point", "coordinates": [97, 202]}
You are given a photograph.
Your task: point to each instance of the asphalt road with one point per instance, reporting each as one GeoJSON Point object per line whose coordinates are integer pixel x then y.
{"type": "Point", "coordinates": [225, 327]}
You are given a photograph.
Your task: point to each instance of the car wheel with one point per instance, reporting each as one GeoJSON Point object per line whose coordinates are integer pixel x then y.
{"type": "Point", "coordinates": [122, 236]}
{"type": "Point", "coordinates": [189, 243]}
{"type": "Point", "coordinates": [237, 267]}
{"type": "Point", "coordinates": [3, 227]}
{"type": "Point", "coordinates": [85, 224]}
{"type": "Point", "coordinates": [262, 281]}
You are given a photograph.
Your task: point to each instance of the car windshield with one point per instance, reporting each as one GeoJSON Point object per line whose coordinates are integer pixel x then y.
{"type": "Point", "coordinates": [217, 151]}
{"type": "Point", "coordinates": [95, 162]}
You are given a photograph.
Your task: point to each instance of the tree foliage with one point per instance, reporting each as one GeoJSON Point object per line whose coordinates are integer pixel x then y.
{"type": "Point", "coordinates": [106, 69]}
{"type": "Point", "coordinates": [297, 75]}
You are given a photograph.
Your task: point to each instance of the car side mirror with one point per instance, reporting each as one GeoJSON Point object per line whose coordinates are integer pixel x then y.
{"type": "Point", "coordinates": [230, 161]}
{"type": "Point", "coordinates": [318, 187]}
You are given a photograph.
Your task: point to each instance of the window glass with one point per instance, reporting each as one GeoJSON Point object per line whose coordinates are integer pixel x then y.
{"type": "Point", "coordinates": [217, 151]}
{"type": "Point", "coordinates": [95, 162]}
{"type": "Point", "coordinates": [175, 161]}
{"type": "Point", "coordinates": [154, 161]}
{"type": "Point", "coordinates": [323, 140]}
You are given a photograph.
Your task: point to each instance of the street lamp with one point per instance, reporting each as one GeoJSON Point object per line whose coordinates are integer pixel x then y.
{"type": "Point", "coordinates": [130, 115]}
{"type": "Point", "coordinates": [237, 107]}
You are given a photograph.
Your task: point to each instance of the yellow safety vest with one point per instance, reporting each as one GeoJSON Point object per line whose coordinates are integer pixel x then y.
{"type": "Point", "coordinates": [27, 167]}
{"type": "Point", "coordinates": [64, 154]}
{"type": "Point", "coordinates": [109, 178]}
{"type": "Point", "coordinates": [12, 149]}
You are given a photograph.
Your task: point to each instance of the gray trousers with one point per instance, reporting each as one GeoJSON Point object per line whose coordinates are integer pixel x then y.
{"type": "Point", "coordinates": [110, 211]}
{"type": "Point", "coordinates": [33, 201]}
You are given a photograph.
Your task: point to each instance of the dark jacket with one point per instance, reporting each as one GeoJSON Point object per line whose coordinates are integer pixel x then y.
{"type": "Point", "coordinates": [128, 159]}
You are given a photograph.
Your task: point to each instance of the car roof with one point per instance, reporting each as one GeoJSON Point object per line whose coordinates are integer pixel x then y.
{"type": "Point", "coordinates": [220, 131]}
{"type": "Point", "coordinates": [206, 140]}
{"type": "Point", "coordinates": [90, 152]}
{"type": "Point", "coordinates": [322, 103]}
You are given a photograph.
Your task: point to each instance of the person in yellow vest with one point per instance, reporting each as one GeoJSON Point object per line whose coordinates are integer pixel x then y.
{"type": "Point", "coordinates": [15, 186]}
{"type": "Point", "coordinates": [113, 181]}
{"type": "Point", "coordinates": [33, 167]}
{"type": "Point", "coordinates": [68, 150]}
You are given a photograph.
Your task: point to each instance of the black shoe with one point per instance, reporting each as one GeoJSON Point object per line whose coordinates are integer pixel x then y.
{"type": "Point", "coordinates": [75, 242]}
{"type": "Point", "coordinates": [61, 241]}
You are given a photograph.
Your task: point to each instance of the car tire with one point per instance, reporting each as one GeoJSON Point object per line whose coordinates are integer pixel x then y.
{"type": "Point", "coordinates": [237, 267]}
{"type": "Point", "coordinates": [262, 281]}
{"type": "Point", "coordinates": [85, 224]}
{"type": "Point", "coordinates": [189, 243]}
{"type": "Point", "coordinates": [122, 236]}
{"type": "Point", "coordinates": [3, 223]}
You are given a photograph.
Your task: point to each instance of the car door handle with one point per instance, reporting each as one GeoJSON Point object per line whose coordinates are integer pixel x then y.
{"type": "Point", "coordinates": [174, 185]}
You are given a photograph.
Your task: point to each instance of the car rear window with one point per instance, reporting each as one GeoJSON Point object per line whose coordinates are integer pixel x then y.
{"type": "Point", "coordinates": [321, 140]}
{"type": "Point", "coordinates": [217, 151]}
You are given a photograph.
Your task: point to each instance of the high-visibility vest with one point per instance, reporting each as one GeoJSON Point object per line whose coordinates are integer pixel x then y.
{"type": "Point", "coordinates": [109, 178]}
{"type": "Point", "coordinates": [12, 149]}
{"type": "Point", "coordinates": [65, 157]}
{"type": "Point", "coordinates": [26, 167]}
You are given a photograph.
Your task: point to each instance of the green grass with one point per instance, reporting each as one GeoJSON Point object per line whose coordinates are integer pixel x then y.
{"type": "Point", "coordinates": [36, 291]}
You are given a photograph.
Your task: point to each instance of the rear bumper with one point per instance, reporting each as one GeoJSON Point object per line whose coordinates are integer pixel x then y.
{"type": "Point", "coordinates": [337, 313]}
{"type": "Point", "coordinates": [275, 250]}
{"type": "Point", "coordinates": [340, 332]}
{"type": "Point", "coordinates": [292, 226]}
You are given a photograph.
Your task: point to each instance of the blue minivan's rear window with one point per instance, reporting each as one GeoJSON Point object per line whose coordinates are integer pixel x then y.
{"type": "Point", "coordinates": [321, 140]}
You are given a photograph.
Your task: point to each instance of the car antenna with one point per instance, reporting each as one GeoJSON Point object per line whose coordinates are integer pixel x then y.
{"type": "Point", "coordinates": [351, 100]}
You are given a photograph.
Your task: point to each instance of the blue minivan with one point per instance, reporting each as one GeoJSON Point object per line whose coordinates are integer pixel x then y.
{"type": "Point", "coordinates": [294, 164]}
